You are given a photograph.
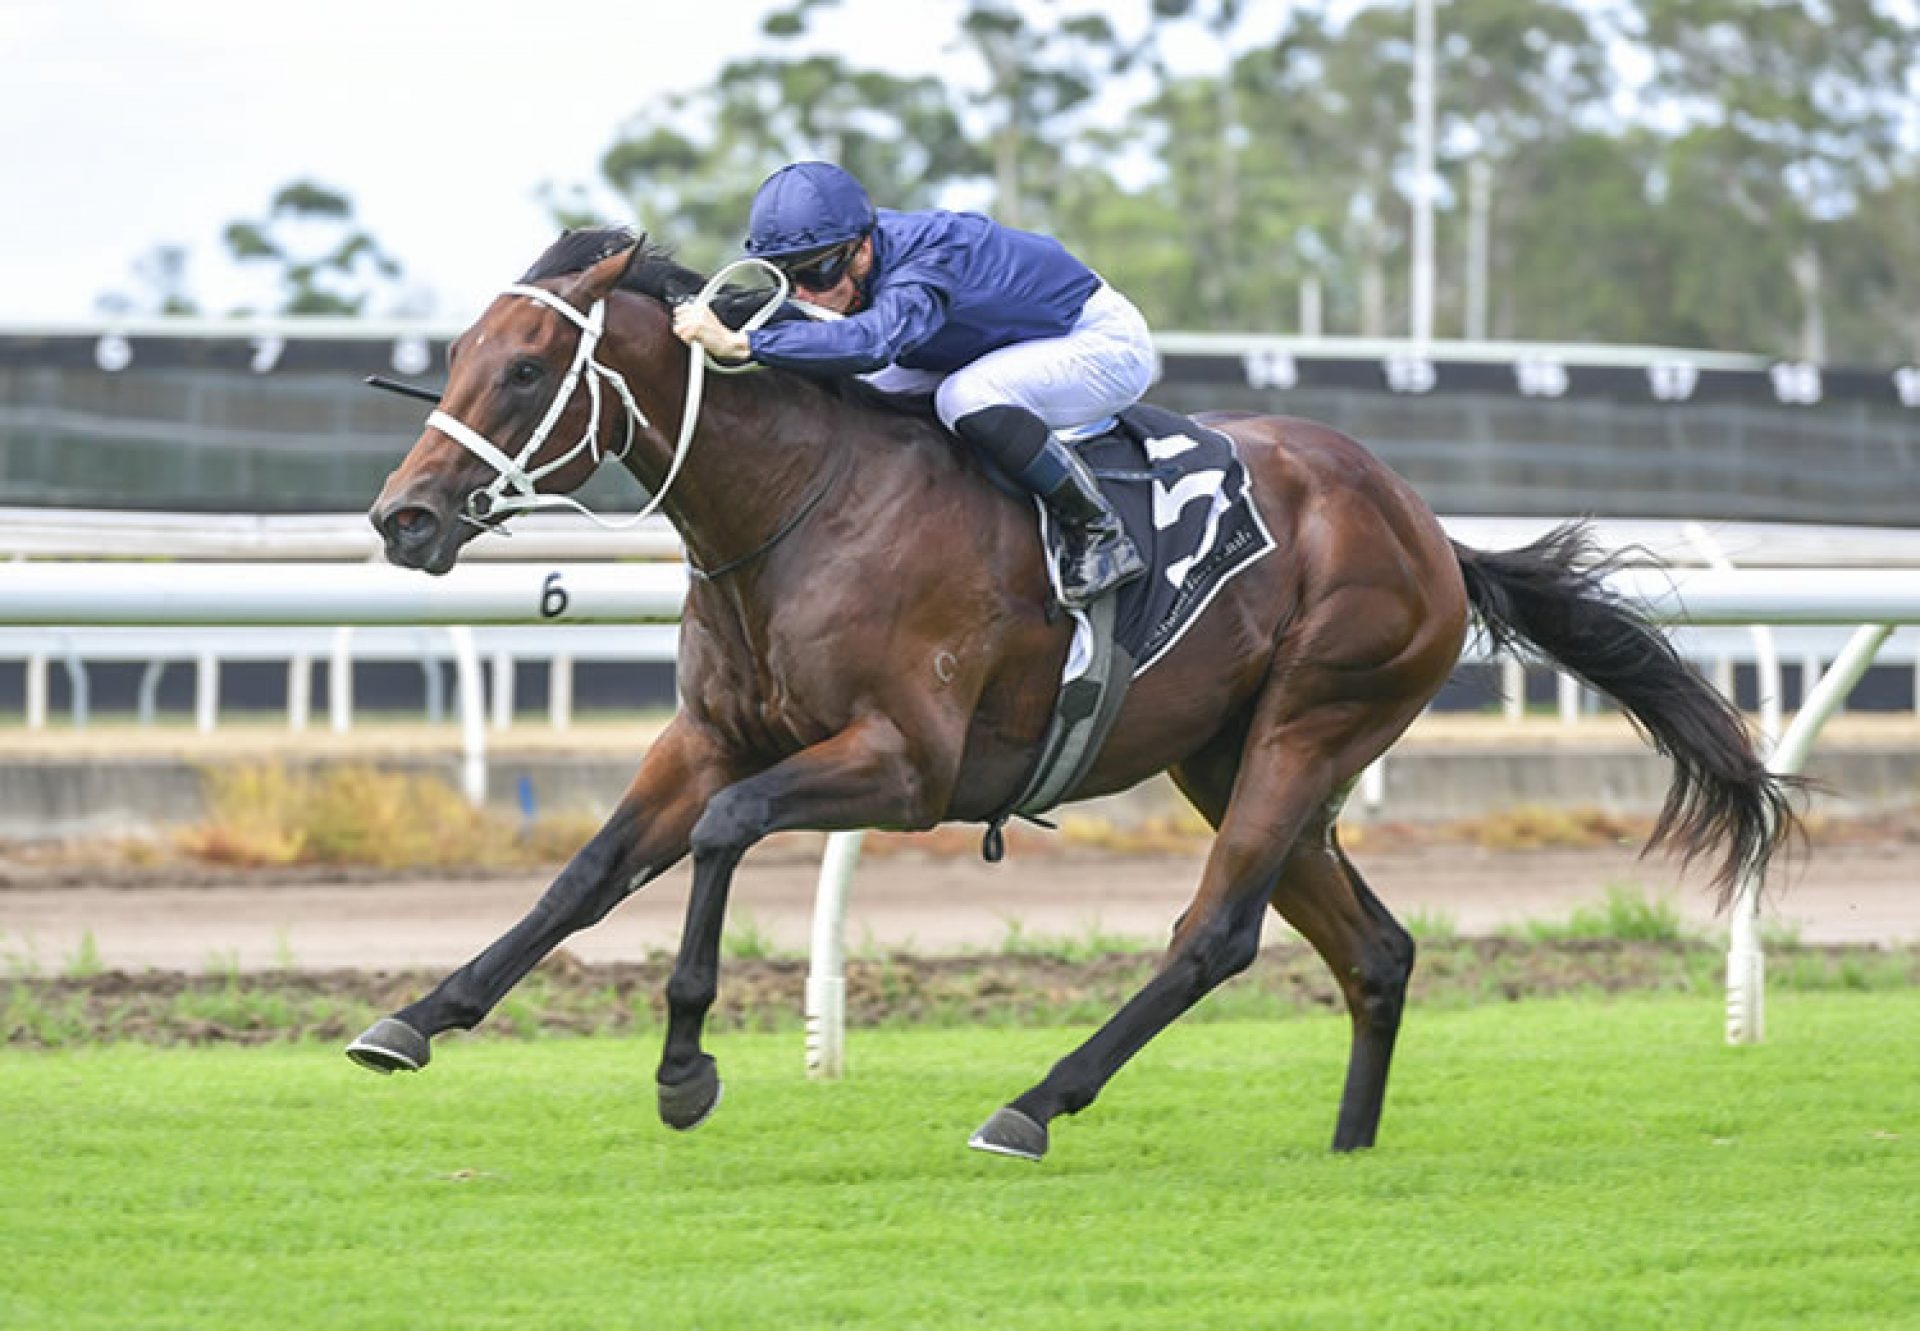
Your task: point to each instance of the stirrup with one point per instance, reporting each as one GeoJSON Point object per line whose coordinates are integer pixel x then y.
{"type": "Point", "coordinates": [1116, 562]}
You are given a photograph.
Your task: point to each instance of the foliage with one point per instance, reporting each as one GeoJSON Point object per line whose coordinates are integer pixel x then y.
{"type": "Point", "coordinates": [322, 260]}
{"type": "Point", "coordinates": [1538, 827]}
{"type": "Point", "coordinates": [161, 286]}
{"type": "Point", "coordinates": [1724, 174]}
{"type": "Point", "coordinates": [689, 165]}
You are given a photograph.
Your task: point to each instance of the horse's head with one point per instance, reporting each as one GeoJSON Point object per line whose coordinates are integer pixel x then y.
{"type": "Point", "coordinates": [522, 411]}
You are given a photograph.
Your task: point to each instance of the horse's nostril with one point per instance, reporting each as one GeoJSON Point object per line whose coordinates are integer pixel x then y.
{"type": "Point", "coordinates": [410, 524]}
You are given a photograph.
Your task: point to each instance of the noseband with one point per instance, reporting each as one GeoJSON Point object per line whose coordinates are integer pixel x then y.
{"type": "Point", "coordinates": [514, 490]}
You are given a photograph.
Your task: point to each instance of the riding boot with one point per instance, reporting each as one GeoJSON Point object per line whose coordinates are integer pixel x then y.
{"type": "Point", "coordinates": [1098, 555]}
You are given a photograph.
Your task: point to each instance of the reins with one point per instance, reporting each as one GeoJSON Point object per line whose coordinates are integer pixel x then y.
{"type": "Point", "coordinates": [785, 530]}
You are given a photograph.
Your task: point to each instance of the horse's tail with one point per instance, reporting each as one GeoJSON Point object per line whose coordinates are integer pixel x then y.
{"type": "Point", "coordinates": [1551, 595]}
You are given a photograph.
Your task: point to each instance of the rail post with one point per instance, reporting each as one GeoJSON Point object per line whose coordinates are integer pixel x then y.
{"type": "Point", "coordinates": [1746, 961]}
{"type": "Point", "coordinates": [826, 970]}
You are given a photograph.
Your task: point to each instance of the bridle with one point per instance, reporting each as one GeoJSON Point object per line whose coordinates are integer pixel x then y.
{"type": "Point", "coordinates": [514, 487]}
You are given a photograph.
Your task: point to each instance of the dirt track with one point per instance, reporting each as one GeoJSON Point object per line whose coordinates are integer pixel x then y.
{"type": "Point", "coordinates": [1855, 893]}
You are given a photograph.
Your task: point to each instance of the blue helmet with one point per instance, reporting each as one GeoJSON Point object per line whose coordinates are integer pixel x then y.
{"type": "Point", "coordinates": [807, 206]}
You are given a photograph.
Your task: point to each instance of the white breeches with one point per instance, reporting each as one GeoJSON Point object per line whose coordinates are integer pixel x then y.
{"type": "Point", "coordinates": [1105, 362]}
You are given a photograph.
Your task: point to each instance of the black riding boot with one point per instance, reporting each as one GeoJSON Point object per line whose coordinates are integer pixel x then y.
{"type": "Point", "coordinates": [1099, 555]}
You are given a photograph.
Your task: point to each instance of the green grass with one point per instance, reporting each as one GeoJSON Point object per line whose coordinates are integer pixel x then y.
{"type": "Point", "coordinates": [1628, 914]}
{"type": "Point", "coordinates": [85, 963]}
{"type": "Point", "coordinates": [1431, 925]}
{"type": "Point", "coordinates": [1064, 982]}
{"type": "Point", "coordinates": [1563, 1163]}
{"type": "Point", "coordinates": [746, 939]}
{"type": "Point", "coordinates": [1094, 940]}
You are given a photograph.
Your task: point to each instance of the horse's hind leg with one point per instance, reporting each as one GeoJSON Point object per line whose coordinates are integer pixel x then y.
{"type": "Point", "coordinates": [1291, 768]}
{"type": "Point", "coordinates": [1321, 894]}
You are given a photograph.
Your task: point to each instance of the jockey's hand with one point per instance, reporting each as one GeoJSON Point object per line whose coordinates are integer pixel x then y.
{"type": "Point", "coordinates": [698, 326]}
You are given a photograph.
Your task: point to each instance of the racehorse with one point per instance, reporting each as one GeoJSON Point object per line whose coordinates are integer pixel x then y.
{"type": "Point", "coordinates": [869, 641]}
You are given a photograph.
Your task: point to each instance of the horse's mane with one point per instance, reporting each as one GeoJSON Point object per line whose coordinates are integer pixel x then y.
{"type": "Point", "coordinates": [654, 272]}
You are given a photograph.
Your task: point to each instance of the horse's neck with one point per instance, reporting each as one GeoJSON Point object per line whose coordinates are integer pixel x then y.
{"type": "Point", "coordinates": [754, 459]}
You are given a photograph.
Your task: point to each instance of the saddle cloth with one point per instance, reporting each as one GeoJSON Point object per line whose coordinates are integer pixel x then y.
{"type": "Point", "coordinates": [1183, 494]}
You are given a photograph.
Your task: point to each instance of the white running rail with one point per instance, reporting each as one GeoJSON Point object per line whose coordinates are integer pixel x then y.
{"type": "Point", "coordinates": [294, 594]}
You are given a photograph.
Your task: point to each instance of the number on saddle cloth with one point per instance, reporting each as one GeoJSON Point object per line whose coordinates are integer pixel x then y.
{"type": "Point", "coordinates": [1181, 491]}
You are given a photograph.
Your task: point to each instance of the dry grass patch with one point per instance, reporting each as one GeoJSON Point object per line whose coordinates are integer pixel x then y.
{"type": "Point", "coordinates": [1537, 827]}
{"type": "Point", "coordinates": [267, 814]}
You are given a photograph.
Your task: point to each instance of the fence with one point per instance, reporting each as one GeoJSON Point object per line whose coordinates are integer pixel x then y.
{"type": "Point", "coordinates": [63, 598]}
{"type": "Point", "coordinates": [57, 533]}
{"type": "Point", "coordinates": [225, 414]}
{"type": "Point", "coordinates": [58, 594]}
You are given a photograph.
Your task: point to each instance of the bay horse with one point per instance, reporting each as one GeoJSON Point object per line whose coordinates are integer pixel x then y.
{"type": "Point", "coordinates": [872, 644]}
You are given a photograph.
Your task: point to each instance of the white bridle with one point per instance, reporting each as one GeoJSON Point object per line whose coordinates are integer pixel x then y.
{"type": "Point", "coordinates": [514, 489]}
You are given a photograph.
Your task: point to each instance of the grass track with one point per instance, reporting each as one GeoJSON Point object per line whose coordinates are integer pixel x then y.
{"type": "Point", "coordinates": [1564, 1163]}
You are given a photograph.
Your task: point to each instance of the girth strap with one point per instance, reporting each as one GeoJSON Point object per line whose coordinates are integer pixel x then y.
{"type": "Point", "coordinates": [1083, 716]}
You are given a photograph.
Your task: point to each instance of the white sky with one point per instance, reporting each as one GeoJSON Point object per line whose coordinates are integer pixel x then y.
{"type": "Point", "coordinates": [125, 124]}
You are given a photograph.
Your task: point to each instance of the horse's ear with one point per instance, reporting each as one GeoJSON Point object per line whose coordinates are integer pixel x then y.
{"type": "Point", "coordinates": [599, 278]}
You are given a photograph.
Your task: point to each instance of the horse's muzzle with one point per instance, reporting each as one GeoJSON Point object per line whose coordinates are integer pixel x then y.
{"type": "Point", "coordinates": [415, 536]}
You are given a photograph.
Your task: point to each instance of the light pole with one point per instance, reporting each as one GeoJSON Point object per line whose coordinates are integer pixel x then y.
{"type": "Point", "coordinates": [1423, 152]}
{"type": "Point", "coordinates": [1479, 223]}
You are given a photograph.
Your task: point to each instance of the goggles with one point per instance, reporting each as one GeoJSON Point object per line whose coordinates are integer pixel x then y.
{"type": "Point", "coordinates": [822, 269]}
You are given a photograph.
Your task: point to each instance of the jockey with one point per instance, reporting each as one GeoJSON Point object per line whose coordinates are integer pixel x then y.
{"type": "Point", "coordinates": [1015, 338]}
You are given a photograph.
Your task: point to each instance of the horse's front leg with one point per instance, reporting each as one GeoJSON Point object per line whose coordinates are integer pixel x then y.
{"type": "Point", "coordinates": [865, 776]}
{"type": "Point", "coordinates": [647, 834]}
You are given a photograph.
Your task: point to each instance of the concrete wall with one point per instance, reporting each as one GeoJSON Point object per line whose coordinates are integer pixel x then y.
{"type": "Point", "coordinates": [47, 798]}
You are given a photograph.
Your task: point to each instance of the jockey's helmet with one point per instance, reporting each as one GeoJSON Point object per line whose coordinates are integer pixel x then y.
{"type": "Point", "coordinates": [804, 207]}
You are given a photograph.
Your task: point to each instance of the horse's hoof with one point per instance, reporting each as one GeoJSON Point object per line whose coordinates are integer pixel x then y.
{"type": "Point", "coordinates": [1010, 1132]}
{"type": "Point", "coordinates": [685, 1105]}
{"type": "Point", "coordinates": [390, 1045]}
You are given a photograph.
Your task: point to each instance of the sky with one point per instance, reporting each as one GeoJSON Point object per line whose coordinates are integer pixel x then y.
{"type": "Point", "coordinates": [127, 124]}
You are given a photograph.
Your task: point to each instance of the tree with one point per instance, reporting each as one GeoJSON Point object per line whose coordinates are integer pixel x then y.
{"type": "Point", "coordinates": [1794, 111]}
{"type": "Point", "coordinates": [323, 262]}
{"type": "Point", "coordinates": [690, 166]}
{"type": "Point", "coordinates": [1582, 253]}
{"type": "Point", "coordinates": [160, 286]}
{"type": "Point", "coordinates": [1748, 191]}
{"type": "Point", "coordinates": [1040, 76]}
{"type": "Point", "coordinates": [1227, 203]}
{"type": "Point", "coordinates": [1876, 318]}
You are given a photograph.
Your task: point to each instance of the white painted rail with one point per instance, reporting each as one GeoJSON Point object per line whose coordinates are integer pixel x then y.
{"type": "Point", "coordinates": [92, 533]}
{"type": "Point", "coordinates": [37, 593]}
{"type": "Point", "coordinates": [1779, 596]}
{"type": "Point", "coordinates": [58, 594]}
{"type": "Point", "coordinates": [79, 533]}
{"type": "Point", "coordinates": [334, 594]}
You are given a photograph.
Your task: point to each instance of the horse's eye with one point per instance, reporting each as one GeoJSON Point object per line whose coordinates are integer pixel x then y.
{"type": "Point", "coordinates": [526, 373]}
